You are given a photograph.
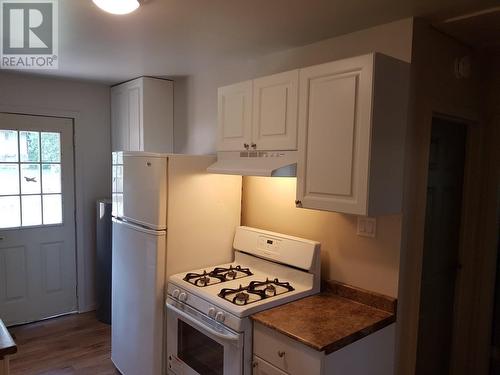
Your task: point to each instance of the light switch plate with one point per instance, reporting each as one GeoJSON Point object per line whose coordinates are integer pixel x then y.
{"type": "Point", "coordinates": [367, 226]}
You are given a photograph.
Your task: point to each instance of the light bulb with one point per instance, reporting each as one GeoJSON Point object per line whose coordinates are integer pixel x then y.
{"type": "Point", "coordinates": [117, 6]}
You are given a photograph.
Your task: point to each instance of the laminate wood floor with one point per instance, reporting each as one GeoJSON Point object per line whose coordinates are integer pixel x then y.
{"type": "Point", "coordinates": [72, 344]}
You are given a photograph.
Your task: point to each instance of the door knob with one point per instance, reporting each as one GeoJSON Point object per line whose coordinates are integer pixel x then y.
{"type": "Point", "coordinates": [298, 203]}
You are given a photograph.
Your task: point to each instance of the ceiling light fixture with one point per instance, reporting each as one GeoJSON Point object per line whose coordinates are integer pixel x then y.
{"type": "Point", "coordinates": [118, 6]}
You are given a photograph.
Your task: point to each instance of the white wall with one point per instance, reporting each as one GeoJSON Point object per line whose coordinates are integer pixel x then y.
{"type": "Point", "coordinates": [196, 94]}
{"type": "Point", "coordinates": [30, 94]}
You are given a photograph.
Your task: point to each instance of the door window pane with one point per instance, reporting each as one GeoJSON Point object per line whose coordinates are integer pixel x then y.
{"type": "Point", "coordinates": [117, 209]}
{"type": "Point", "coordinates": [119, 179]}
{"type": "Point", "coordinates": [10, 212]}
{"type": "Point", "coordinates": [51, 147]}
{"type": "Point", "coordinates": [51, 178]}
{"type": "Point", "coordinates": [52, 209]}
{"type": "Point", "coordinates": [29, 146]}
{"type": "Point", "coordinates": [32, 210]}
{"type": "Point", "coordinates": [9, 179]}
{"type": "Point", "coordinates": [30, 178]}
{"type": "Point", "coordinates": [8, 146]}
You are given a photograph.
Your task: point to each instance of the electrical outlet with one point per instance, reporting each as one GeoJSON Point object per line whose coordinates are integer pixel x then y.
{"type": "Point", "coordinates": [367, 226]}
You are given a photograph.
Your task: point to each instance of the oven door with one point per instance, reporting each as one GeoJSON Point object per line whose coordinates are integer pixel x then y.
{"type": "Point", "coordinates": [197, 345]}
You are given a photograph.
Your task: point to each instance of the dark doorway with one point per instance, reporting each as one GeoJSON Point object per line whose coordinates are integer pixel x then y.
{"type": "Point", "coordinates": [495, 339]}
{"type": "Point", "coordinates": [440, 262]}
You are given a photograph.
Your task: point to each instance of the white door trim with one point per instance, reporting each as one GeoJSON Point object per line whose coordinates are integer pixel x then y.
{"type": "Point", "coordinates": [82, 304]}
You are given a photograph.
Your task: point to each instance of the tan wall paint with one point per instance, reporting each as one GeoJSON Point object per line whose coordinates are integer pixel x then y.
{"type": "Point", "coordinates": [269, 203]}
{"type": "Point", "coordinates": [372, 264]}
{"type": "Point", "coordinates": [369, 263]}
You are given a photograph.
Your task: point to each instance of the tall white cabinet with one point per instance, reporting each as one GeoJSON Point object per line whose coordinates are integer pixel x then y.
{"type": "Point", "coordinates": [259, 114]}
{"type": "Point", "coordinates": [352, 125]}
{"type": "Point", "coordinates": [142, 115]}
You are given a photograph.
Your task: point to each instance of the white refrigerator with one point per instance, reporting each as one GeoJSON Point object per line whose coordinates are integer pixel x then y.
{"type": "Point", "coordinates": [169, 216]}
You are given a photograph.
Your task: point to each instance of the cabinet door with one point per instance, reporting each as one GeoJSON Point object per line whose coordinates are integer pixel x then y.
{"type": "Point", "coordinates": [334, 135]}
{"type": "Point", "coordinates": [234, 116]}
{"type": "Point", "coordinates": [134, 115]}
{"type": "Point", "coordinates": [261, 367]}
{"type": "Point", "coordinates": [119, 120]}
{"type": "Point", "coordinates": [275, 102]}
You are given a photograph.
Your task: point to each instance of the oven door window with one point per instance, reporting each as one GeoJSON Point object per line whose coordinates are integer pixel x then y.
{"type": "Point", "coordinates": [199, 351]}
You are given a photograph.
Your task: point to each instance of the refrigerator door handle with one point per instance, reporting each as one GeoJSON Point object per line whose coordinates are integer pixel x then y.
{"type": "Point", "coordinates": [139, 228]}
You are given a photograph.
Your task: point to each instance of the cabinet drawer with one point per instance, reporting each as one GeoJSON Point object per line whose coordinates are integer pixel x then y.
{"type": "Point", "coordinates": [286, 354]}
{"type": "Point", "coordinates": [261, 367]}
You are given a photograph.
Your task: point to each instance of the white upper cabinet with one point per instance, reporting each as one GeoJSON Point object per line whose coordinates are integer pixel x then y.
{"type": "Point", "coordinates": [259, 114]}
{"type": "Point", "coordinates": [275, 103]}
{"type": "Point", "coordinates": [352, 124]}
{"type": "Point", "coordinates": [142, 115]}
{"type": "Point", "coordinates": [235, 117]}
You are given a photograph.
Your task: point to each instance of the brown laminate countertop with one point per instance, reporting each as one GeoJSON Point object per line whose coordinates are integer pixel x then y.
{"type": "Point", "coordinates": [330, 320]}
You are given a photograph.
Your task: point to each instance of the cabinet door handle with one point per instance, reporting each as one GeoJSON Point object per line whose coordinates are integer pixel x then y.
{"type": "Point", "coordinates": [298, 203]}
{"type": "Point", "coordinates": [246, 146]}
{"type": "Point", "coordinates": [281, 354]}
{"type": "Point", "coordinates": [255, 364]}
{"type": "Point", "coordinates": [254, 146]}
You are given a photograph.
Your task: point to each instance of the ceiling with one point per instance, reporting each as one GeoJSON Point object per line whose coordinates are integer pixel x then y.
{"type": "Point", "coordinates": [178, 37]}
{"type": "Point", "coordinates": [479, 29]}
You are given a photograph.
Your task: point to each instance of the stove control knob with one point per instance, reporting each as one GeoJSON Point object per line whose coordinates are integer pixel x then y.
{"type": "Point", "coordinates": [211, 312]}
{"type": "Point", "coordinates": [175, 293]}
{"type": "Point", "coordinates": [220, 317]}
{"type": "Point", "coordinates": [183, 297]}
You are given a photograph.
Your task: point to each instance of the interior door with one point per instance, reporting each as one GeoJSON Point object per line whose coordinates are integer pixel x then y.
{"type": "Point", "coordinates": [441, 261]}
{"type": "Point", "coordinates": [37, 221]}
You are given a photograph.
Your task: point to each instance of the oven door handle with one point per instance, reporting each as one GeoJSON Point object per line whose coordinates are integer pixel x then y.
{"type": "Point", "coordinates": [202, 326]}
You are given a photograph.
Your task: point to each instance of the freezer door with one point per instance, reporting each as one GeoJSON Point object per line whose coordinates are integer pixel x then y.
{"type": "Point", "coordinates": [145, 190]}
{"type": "Point", "coordinates": [138, 280]}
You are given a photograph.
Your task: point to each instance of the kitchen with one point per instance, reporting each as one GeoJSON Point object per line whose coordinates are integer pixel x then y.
{"type": "Point", "coordinates": [366, 261]}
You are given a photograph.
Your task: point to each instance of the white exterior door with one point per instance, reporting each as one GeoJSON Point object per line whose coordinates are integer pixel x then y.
{"type": "Point", "coordinates": [37, 221]}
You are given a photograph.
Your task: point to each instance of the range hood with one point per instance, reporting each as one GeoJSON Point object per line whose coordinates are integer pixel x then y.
{"type": "Point", "coordinates": [256, 163]}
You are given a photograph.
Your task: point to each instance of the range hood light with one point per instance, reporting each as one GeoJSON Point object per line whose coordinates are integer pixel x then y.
{"type": "Point", "coordinates": [256, 163]}
{"type": "Point", "coordinates": [118, 6]}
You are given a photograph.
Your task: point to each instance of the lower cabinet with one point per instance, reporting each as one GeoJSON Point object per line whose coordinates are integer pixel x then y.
{"type": "Point", "coordinates": [261, 367]}
{"type": "Point", "coordinates": [277, 354]}
{"type": "Point", "coordinates": [286, 354]}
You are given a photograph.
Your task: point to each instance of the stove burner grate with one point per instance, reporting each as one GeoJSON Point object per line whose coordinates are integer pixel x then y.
{"type": "Point", "coordinates": [217, 275]}
{"type": "Point", "coordinates": [259, 290]}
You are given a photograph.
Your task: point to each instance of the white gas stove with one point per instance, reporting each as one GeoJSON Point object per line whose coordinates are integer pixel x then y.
{"type": "Point", "coordinates": [209, 309]}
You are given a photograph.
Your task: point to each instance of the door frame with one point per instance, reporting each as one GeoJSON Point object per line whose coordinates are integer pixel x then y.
{"type": "Point", "coordinates": [81, 292]}
{"type": "Point", "coordinates": [434, 90]}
